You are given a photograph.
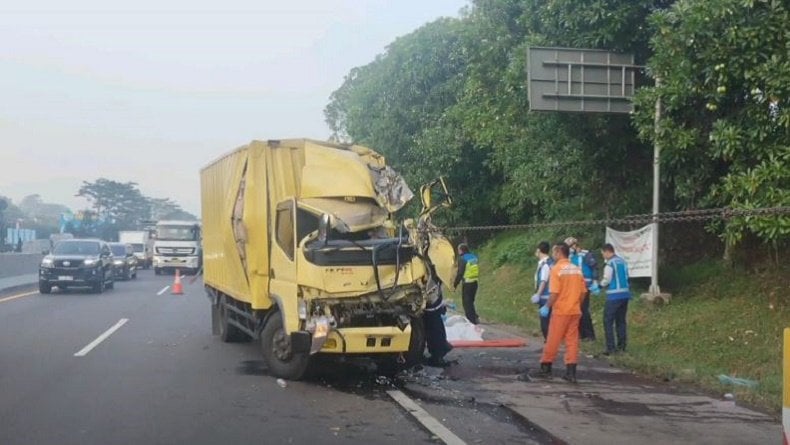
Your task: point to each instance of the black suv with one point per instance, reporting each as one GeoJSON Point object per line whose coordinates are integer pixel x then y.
{"type": "Point", "coordinates": [125, 262]}
{"type": "Point", "coordinates": [77, 263]}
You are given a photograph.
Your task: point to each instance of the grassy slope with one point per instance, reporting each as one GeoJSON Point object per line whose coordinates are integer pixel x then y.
{"type": "Point", "coordinates": [721, 320]}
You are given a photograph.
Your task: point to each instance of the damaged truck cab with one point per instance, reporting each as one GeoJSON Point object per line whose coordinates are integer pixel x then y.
{"type": "Point", "coordinates": [301, 253]}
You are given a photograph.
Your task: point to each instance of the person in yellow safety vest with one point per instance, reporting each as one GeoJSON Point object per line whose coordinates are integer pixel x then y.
{"type": "Point", "coordinates": [468, 271]}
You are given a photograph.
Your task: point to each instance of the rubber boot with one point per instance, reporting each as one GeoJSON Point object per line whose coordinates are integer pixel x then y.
{"type": "Point", "coordinates": [570, 373]}
{"type": "Point", "coordinates": [545, 371]}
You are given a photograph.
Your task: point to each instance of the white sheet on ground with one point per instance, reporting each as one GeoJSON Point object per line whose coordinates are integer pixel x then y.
{"type": "Point", "coordinates": [459, 328]}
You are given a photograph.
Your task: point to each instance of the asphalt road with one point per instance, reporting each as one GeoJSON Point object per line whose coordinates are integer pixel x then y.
{"type": "Point", "coordinates": [162, 378]}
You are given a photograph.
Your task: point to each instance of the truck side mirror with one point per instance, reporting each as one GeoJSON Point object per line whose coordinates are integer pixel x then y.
{"type": "Point", "coordinates": [323, 229]}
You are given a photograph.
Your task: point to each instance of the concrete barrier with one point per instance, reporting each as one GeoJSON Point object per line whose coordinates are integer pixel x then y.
{"type": "Point", "coordinates": [15, 264]}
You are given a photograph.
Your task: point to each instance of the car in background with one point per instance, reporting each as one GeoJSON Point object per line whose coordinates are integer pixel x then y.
{"type": "Point", "coordinates": [124, 262]}
{"type": "Point", "coordinates": [77, 263]}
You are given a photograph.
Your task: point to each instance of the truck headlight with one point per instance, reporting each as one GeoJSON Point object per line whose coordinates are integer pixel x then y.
{"type": "Point", "coordinates": [118, 262]}
{"type": "Point", "coordinates": [91, 262]}
{"type": "Point", "coordinates": [321, 332]}
{"type": "Point", "coordinates": [302, 308]}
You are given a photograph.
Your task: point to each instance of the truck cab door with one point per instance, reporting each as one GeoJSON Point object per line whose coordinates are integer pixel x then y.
{"type": "Point", "coordinates": [282, 277]}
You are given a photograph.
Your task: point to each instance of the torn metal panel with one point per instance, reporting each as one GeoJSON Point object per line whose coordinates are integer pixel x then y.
{"type": "Point", "coordinates": [348, 216]}
{"type": "Point", "coordinates": [392, 192]}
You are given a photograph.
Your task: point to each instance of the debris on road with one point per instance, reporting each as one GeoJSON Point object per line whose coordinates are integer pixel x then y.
{"type": "Point", "coordinates": [730, 380]}
{"type": "Point", "coordinates": [282, 383]}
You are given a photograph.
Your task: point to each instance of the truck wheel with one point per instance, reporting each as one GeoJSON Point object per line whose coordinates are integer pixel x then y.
{"type": "Point", "coordinates": [276, 349]}
{"type": "Point", "coordinates": [227, 332]}
{"type": "Point", "coordinates": [44, 288]}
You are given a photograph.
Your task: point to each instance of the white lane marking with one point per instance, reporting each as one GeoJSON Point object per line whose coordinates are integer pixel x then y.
{"type": "Point", "coordinates": [14, 297]}
{"type": "Point", "coordinates": [422, 416]}
{"type": "Point", "coordinates": [164, 289]}
{"type": "Point", "coordinates": [84, 351]}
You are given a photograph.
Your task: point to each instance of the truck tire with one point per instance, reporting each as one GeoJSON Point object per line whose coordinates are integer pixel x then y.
{"type": "Point", "coordinates": [44, 288]}
{"type": "Point", "coordinates": [227, 332]}
{"type": "Point", "coordinates": [276, 349]}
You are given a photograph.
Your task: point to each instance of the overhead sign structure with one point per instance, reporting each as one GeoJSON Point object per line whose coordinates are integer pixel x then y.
{"type": "Point", "coordinates": [580, 80]}
{"type": "Point", "coordinates": [592, 81]}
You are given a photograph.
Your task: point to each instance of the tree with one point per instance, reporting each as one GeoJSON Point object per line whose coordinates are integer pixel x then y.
{"type": "Point", "coordinates": [451, 99]}
{"type": "Point", "coordinates": [46, 216]}
{"type": "Point", "coordinates": [9, 215]}
{"type": "Point", "coordinates": [724, 67]}
{"type": "Point", "coordinates": [165, 208]}
{"type": "Point", "coordinates": [121, 204]}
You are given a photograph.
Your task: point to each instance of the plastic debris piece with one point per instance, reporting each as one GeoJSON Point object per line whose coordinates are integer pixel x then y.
{"type": "Point", "coordinates": [383, 380]}
{"type": "Point", "coordinates": [282, 383]}
{"type": "Point", "coordinates": [730, 380]}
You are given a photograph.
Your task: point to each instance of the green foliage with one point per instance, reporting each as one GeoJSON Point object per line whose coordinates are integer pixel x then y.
{"type": "Point", "coordinates": [122, 206]}
{"type": "Point", "coordinates": [120, 203]}
{"type": "Point", "coordinates": [451, 99]}
{"type": "Point", "coordinates": [724, 67]}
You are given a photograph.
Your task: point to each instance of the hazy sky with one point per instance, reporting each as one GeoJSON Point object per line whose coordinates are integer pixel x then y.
{"type": "Point", "coordinates": [150, 91]}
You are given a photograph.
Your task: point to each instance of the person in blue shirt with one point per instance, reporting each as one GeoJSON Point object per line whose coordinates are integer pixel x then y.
{"type": "Point", "coordinates": [468, 271]}
{"type": "Point", "coordinates": [615, 281]}
{"type": "Point", "coordinates": [542, 294]}
{"type": "Point", "coordinates": [585, 260]}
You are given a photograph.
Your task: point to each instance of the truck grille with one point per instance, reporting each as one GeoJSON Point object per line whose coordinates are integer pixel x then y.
{"type": "Point", "coordinates": [68, 264]}
{"type": "Point", "coordinates": [175, 251]}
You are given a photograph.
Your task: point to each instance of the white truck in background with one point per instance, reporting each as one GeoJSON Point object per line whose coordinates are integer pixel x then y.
{"type": "Point", "coordinates": [177, 246]}
{"type": "Point", "coordinates": [142, 244]}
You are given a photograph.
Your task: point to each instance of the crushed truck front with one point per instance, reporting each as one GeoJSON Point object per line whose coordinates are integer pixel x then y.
{"type": "Point", "coordinates": [305, 230]}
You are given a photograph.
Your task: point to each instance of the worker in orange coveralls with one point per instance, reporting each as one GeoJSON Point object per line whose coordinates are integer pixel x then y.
{"type": "Point", "coordinates": [567, 289]}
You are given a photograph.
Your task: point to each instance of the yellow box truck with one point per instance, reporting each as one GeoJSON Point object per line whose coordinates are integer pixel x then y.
{"type": "Point", "coordinates": [301, 253]}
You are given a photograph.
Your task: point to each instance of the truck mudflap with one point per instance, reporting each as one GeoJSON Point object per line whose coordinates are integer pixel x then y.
{"type": "Point", "coordinates": [367, 340]}
{"type": "Point", "coordinates": [301, 341]}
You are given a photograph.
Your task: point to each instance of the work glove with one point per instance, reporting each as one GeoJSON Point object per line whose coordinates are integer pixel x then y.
{"type": "Point", "coordinates": [595, 289]}
{"type": "Point", "coordinates": [535, 299]}
{"type": "Point", "coordinates": [544, 311]}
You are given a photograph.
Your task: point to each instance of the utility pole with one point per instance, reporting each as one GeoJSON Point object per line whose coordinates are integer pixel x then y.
{"type": "Point", "coordinates": [654, 289]}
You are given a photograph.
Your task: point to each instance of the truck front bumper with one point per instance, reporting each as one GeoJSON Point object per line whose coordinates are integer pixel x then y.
{"type": "Point", "coordinates": [176, 262]}
{"type": "Point", "coordinates": [371, 340]}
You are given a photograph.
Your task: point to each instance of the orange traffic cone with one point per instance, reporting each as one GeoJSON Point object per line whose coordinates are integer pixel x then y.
{"type": "Point", "coordinates": [177, 288]}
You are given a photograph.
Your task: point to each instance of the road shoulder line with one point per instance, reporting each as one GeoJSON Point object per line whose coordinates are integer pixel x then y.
{"type": "Point", "coordinates": [422, 416]}
{"type": "Point", "coordinates": [14, 297]}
